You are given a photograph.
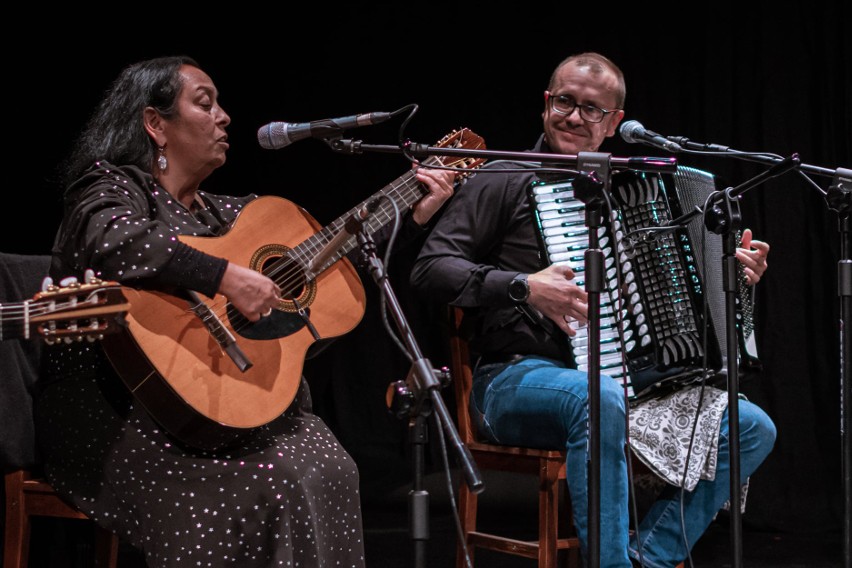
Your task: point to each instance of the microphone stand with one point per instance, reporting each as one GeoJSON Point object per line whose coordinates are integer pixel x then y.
{"type": "Point", "coordinates": [599, 166]}
{"type": "Point", "coordinates": [839, 199]}
{"type": "Point", "coordinates": [723, 218]}
{"type": "Point", "coordinates": [424, 385]}
{"type": "Point", "coordinates": [589, 189]}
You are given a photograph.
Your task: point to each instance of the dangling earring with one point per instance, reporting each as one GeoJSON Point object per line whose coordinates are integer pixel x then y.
{"type": "Point", "coordinates": [162, 162]}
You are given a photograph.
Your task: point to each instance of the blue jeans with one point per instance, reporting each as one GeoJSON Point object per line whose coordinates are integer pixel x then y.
{"type": "Point", "coordinates": [539, 402]}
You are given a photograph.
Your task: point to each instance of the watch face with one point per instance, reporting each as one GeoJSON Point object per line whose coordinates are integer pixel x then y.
{"type": "Point", "coordinates": [519, 290]}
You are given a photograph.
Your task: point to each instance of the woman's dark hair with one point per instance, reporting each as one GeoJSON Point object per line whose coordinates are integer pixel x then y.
{"type": "Point", "coordinates": [115, 131]}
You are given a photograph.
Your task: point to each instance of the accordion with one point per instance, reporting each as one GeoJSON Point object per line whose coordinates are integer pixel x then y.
{"type": "Point", "coordinates": [662, 315]}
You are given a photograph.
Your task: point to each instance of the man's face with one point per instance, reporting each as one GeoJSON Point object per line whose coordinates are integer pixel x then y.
{"type": "Point", "coordinates": [570, 133]}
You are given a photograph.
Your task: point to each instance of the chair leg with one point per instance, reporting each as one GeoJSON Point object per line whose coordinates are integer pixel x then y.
{"type": "Point", "coordinates": [106, 548]}
{"type": "Point", "coordinates": [467, 513]}
{"type": "Point", "coordinates": [548, 515]}
{"type": "Point", "coordinates": [17, 537]}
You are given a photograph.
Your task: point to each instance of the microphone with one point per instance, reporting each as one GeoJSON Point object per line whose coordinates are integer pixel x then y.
{"type": "Point", "coordinates": [632, 132]}
{"type": "Point", "coordinates": [280, 134]}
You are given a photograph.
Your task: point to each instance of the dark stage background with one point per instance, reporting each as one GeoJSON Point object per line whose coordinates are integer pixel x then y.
{"type": "Point", "coordinates": [755, 81]}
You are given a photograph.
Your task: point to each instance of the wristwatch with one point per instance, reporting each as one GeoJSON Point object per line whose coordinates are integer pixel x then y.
{"type": "Point", "coordinates": [519, 289]}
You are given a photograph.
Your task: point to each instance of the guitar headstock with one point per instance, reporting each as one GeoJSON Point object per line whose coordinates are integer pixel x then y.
{"type": "Point", "coordinates": [76, 311]}
{"type": "Point", "coordinates": [466, 139]}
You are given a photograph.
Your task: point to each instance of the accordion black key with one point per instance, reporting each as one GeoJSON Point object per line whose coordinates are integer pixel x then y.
{"type": "Point", "coordinates": [657, 334]}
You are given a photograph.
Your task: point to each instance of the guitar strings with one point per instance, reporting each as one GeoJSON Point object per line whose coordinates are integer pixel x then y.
{"type": "Point", "coordinates": [40, 307]}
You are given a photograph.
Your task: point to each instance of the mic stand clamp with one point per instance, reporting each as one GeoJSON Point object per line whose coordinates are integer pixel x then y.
{"type": "Point", "coordinates": [423, 398]}
{"type": "Point", "coordinates": [839, 196]}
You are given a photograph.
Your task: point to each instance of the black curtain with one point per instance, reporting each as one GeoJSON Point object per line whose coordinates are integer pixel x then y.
{"type": "Point", "coordinates": [754, 79]}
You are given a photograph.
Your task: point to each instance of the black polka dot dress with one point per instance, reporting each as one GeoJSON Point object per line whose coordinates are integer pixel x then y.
{"type": "Point", "coordinates": [286, 495]}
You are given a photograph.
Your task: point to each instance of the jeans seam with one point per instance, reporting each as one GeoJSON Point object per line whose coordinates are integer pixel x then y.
{"type": "Point", "coordinates": [650, 535]}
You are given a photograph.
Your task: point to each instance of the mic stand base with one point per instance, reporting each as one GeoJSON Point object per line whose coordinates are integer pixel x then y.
{"type": "Point", "coordinates": [418, 498]}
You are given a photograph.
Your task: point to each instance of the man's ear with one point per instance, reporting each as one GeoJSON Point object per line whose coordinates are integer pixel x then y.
{"type": "Point", "coordinates": [154, 124]}
{"type": "Point", "coordinates": [614, 122]}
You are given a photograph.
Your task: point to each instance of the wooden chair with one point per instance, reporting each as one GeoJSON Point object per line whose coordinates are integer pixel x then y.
{"type": "Point", "coordinates": [26, 494]}
{"type": "Point", "coordinates": [549, 466]}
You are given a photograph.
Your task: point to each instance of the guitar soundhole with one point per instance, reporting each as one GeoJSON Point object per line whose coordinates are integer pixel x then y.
{"type": "Point", "coordinates": [296, 293]}
{"type": "Point", "coordinates": [292, 286]}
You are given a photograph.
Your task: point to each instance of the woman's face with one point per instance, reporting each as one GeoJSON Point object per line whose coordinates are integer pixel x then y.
{"type": "Point", "coordinates": [196, 140]}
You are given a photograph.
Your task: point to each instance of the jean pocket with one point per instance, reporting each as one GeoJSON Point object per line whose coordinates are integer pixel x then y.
{"type": "Point", "coordinates": [480, 424]}
{"type": "Point", "coordinates": [483, 376]}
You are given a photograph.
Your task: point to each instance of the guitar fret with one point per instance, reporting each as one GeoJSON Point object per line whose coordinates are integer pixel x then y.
{"type": "Point", "coordinates": [27, 319]}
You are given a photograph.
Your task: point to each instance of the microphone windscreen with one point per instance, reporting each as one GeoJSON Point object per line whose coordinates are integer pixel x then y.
{"type": "Point", "coordinates": [630, 130]}
{"type": "Point", "coordinates": [273, 136]}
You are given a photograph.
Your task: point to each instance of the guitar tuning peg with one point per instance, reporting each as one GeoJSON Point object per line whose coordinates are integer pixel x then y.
{"type": "Point", "coordinates": [89, 276]}
{"type": "Point", "coordinates": [47, 284]}
{"type": "Point", "coordinates": [68, 281]}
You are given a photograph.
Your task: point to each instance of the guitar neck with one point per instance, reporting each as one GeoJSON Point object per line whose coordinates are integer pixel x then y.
{"type": "Point", "coordinates": [398, 195]}
{"type": "Point", "coordinates": [14, 321]}
{"type": "Point", "coordinates": [88, 310]}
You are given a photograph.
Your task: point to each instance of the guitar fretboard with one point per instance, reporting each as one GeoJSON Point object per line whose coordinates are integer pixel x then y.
{"type": "Point", "coordinates": [403, 192]}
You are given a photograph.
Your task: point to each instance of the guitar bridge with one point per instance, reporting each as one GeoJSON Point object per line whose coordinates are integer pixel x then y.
{"type": "Point", "coordinates": [219, 332]}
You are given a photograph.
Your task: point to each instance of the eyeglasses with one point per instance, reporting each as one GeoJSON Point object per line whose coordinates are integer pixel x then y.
{"type": "Point", "coordinates": [565, 104]}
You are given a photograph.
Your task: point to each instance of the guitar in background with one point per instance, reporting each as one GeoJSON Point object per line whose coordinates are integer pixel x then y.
{"type": "Point", "coordinates": [73, 311]}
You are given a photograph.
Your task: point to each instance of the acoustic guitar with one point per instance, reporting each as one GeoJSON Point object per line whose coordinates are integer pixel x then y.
{"type": "Point", "coordinates": [202, 370]}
